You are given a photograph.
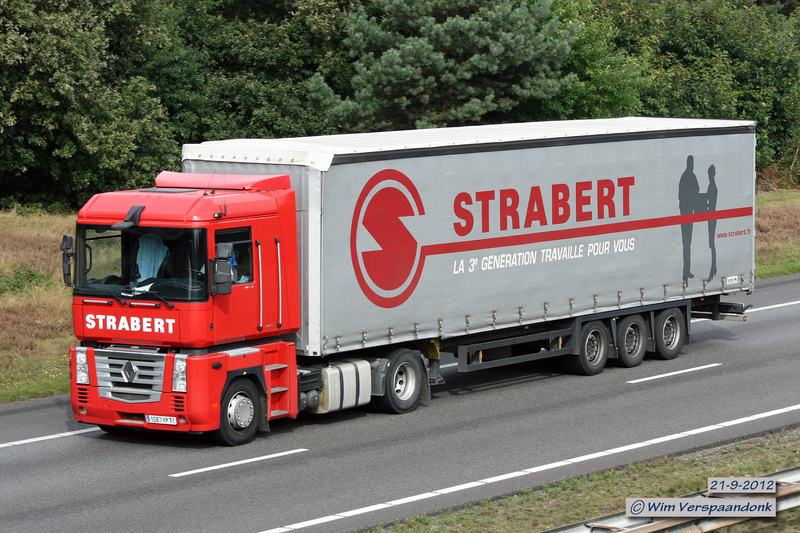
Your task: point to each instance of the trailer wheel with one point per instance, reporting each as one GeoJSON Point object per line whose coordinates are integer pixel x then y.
{"type": "Point", "coordinates": [631, 340]}
{"type": "Point", "coordinates": [593, 350]}
{"type": "Point", "coordinates": [403, 383]}
{"type": "Point", "coordinates": [670, 333]}
{"type": "Point", "coordinates": [240, 412]}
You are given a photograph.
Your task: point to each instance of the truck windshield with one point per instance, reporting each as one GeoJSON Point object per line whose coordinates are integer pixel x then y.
{"type": "Point", "coordinates": [145, 263]}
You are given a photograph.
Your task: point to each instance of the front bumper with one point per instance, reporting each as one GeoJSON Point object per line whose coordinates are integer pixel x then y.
{"type": "Point", "coordinates": [89, 407]}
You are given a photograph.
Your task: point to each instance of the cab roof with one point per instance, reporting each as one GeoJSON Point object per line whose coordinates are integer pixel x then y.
{"type": "Point", "coordinates": [182, 198]}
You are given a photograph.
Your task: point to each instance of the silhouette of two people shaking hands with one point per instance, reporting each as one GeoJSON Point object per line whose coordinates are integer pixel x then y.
{"type": "Point", "coordinates": [690, 201]}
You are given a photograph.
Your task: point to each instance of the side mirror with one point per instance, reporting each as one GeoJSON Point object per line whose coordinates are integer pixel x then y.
{"type": "Point", "coordinates": [66, 254]}
{"type": "Point", "coordinates": [222, 276]}
{"type": "Point", "coordinates": [224, 250]}
{"type": "Point", "coordinates": [222, 270]}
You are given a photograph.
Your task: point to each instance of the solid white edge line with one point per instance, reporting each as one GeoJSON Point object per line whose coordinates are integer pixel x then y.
{"type": "Point", "coordinates": [549, 466]}
{"type": "Point", "coordinates": [237, 463]}
{"type": "Point", "coordinates": [503, 477]}
{"type": "Point", "coordinates": [665, 438]}
{"type": "Point", "coordinates": [314, 522]}
{"type": "Point", "coordinates": [47, 437]}
{"type": "Point", "coordinates": [627, 448]}
{"type": "Point", "coordinates": [541, 468]}
{"type": "Point", "coordinates": [587, 457]}
{"type": "Point", "coordinates": [668, 374]}
{"type": "Point", "coordinates": [415, 498]}
{"type": "Point", "coordinates": [702, 430]}
{"type": "Point", "coordinates": [459, 488]}
{"type": "Point", "coordinates": [777, 411]}
{"type": "Point", "coordinates": [364, 510]}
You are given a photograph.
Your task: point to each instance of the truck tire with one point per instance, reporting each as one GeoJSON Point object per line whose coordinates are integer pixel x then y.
{"type": "Point", "coordinates": [593, 350]}
{"type": "Point", "coordinates": [403, 383]}
{"type": "Point", "coordinates": [631, 340]}
{"type": "Point", "coordinates": [240, 412]}
{"type": "Point", "coordinates": [670, 333]}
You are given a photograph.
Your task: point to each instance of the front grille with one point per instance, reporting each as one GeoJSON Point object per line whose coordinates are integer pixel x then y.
{"type": "Point", "coordinates": [131, 376]}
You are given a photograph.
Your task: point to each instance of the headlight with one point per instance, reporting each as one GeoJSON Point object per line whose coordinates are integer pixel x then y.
{"type": "Point", "coordinates": [179, 374]}
{"type": "Point", "coordinates": [81, 367]}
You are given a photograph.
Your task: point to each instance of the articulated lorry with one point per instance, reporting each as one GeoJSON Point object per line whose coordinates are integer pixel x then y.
{"type": "Point", "coordinates": [275, 276]}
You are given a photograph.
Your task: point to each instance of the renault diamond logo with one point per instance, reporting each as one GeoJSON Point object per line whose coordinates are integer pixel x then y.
{"type": "Point", "coordinates": [129, 371]}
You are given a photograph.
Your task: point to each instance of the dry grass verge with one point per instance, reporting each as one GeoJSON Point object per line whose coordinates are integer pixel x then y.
{"type": "Point", "coordinates": [777, 233]}
{"type": "Point", "coordinates": [35, 306]}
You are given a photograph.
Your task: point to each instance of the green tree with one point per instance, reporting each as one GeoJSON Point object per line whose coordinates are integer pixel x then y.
{"type": "Point", "coordinates": [150, 43]}
{"type": "Point", "coordinates": [256, 63]}
{"type": "Point", "coordinates": [607, 79]}
{"type": "Point", "coordinates": [426, 63]}
{"type": "Point", "coordinates": [715, 59]}
{"type": "Point", "coordinates": [69, 125]}
{"type": "Point", "coordinates": [787, 134]}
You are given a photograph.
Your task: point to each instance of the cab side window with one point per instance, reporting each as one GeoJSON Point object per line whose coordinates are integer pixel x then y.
{"type": "Point", "coordinates": [242, 260]}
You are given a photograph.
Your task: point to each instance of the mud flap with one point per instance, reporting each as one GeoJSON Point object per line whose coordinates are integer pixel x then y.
{"type": "Point", "coordinates": [263, 424]}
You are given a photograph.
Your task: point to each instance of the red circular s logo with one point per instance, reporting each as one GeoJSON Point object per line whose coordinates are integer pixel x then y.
{"type": "Point", "coordinates": [387, 259]}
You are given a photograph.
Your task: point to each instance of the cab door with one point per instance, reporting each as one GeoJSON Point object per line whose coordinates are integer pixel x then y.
{"type": "Point", "coordinates": [236, 315]}
{"type": "Point", "coordinates": [258, 304]}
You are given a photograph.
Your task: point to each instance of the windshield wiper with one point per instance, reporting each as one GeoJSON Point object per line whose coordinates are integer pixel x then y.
{"type": "Point", "coordinates": [139, 292]}
{"type": "Point", "coordinates": [110, 292]}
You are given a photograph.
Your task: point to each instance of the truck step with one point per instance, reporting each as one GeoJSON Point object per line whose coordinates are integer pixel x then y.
{"type": "Point", "coordinates": [276, 366]}
{"type": "Point", "coordinates": [276, 413]}
{"type": "Point", "coordinates": [274, 390]}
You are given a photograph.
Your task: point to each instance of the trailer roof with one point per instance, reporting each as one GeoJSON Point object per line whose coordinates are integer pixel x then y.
{"type": "Point", "coordinates": [319, 152]}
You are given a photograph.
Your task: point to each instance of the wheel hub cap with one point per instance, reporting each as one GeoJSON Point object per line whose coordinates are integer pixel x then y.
{"type": "Point", "coordinates": [240, 411]}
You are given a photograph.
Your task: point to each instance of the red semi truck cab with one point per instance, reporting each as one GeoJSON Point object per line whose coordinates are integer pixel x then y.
{"type": "Point", "coordinates": [180, 291]}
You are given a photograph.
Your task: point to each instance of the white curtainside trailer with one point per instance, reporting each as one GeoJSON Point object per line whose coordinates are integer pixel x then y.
{"type": "Point", "coordinates": [514, 242]}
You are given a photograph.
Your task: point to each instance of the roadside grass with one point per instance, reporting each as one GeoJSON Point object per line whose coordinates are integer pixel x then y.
{"type": "Point", "coordinates": [35, 306]}
{"type": "Point", "coordinates": [575, 500]}
{"type": "Point", "coordinates": [777, 233]}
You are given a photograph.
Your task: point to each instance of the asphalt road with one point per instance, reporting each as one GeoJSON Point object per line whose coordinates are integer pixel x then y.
{"type": "Point", "coordinates": [483, 434]}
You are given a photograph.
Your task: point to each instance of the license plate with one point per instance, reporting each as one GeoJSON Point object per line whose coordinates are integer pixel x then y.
{"type": "Point", "coordinates": [166, 420]}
